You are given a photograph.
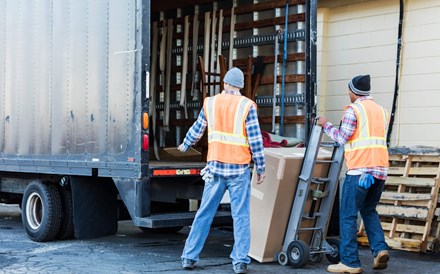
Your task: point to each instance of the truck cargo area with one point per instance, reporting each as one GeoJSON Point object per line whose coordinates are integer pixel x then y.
{"type": "Point", "coordinates": [90, 125]}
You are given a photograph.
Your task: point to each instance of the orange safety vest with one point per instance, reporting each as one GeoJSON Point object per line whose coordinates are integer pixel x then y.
{"type": "Point", "coordinates": [367, 146]}
{"type": "Point", "coordinates": [227, 138]}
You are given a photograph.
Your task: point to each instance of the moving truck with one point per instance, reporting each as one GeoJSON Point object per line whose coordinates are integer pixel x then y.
{"type": "Point", "coordinates": [82, 143]}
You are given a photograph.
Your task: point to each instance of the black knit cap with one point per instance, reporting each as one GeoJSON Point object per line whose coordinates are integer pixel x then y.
{"type": "Point", "coordinates": [360, 85]}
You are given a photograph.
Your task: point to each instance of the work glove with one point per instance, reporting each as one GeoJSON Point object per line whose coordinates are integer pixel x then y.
{"type": "Point", "coordinates": [206, 174]}
{"type": "Point", "coordinates": [366, 180]}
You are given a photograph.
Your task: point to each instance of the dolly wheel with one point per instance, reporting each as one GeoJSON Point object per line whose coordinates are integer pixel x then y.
{"type": "Point", "coordinates": [333, 257]}
{"type": "Point", "coordinates": [282, 258]}
{"type": "Point", "coordinates": [298, 253]}
{"type": "Point", "coordinates": [316, 257]}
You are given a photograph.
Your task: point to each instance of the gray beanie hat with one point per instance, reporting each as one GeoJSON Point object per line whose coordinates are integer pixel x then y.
{"type": "Point", "coordinates": [360, 85]}
{"type": "Point", "coordinates": [234, 77]}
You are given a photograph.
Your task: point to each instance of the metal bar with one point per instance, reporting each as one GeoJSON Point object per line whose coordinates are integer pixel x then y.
{"type": "Point", "coordinates": [262, 101]}
{"type": "Point", "coordinates": [311, 40]}
{"type": "Point", "coordinates": [267, 101]}
{"type": "Point", "coordinates": [254, 40]}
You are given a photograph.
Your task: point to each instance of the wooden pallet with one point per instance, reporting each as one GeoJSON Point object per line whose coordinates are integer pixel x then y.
{"type": "Point", "coordinates": [409, 203]}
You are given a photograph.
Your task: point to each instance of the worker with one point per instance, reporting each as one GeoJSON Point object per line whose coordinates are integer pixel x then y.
{"type": "Point", "coordinates": [234, 138]}
{"type": "Point", "coordinates": [363, 133]}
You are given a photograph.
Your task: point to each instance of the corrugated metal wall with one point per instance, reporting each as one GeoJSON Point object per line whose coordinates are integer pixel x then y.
{"type": "Point", "coordinates": [67, 77]}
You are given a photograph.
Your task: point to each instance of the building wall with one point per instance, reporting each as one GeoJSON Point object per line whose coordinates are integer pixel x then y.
{"type": "Point", "coordinates": [360, 37]}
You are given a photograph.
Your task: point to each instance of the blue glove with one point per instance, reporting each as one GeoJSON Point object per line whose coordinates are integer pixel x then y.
{"type": "Point", "coordinates": [366, 180]}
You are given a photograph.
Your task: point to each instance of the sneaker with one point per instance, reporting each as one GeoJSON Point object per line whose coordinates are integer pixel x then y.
{"type": "Point", "coordinates": [381, 260]}
{"type": "Point", "coordinates": [240, 268]}
{"type": "Point", "coordinates": [342, 268]}
{"type": "Point", "coordinates": [188, 264]}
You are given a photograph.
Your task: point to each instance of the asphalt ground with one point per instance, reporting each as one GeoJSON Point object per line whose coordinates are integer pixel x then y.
{"type": "Point", "coordinates": [132, 251]}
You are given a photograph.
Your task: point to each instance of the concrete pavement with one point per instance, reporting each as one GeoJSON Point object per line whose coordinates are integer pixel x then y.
{"type": "Point", "coordinates": [132, 251]}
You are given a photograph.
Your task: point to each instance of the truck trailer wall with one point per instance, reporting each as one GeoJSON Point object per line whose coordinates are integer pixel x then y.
{"type": "Point", "coordinates": [70, 86]}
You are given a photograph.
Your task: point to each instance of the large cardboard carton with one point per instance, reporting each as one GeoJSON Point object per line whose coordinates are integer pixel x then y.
{"type": "Point", "coordinates": [272, 200]}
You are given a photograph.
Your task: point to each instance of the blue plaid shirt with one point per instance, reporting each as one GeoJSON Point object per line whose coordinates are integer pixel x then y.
{"type": "Point", "coordinates": [254, 137]}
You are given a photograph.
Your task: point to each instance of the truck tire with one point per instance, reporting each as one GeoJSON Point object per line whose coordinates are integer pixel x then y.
{"type": "Point", "coordinates": [41, 211]}
{"type": "Point", "coordinates": [66, 230]}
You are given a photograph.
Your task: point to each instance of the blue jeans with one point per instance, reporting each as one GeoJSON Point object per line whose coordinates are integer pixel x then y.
{"type": "Point", "coordinates": [355, 198]}
{"type": "Point", "coordinates": [239, 192]}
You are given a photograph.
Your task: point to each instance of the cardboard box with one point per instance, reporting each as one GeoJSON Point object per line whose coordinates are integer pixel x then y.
{"type": "Point", "coordinates": [272, 200]}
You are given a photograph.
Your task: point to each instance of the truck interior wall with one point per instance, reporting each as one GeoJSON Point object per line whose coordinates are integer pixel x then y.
{"type": "Point", "coordinates": [253, 20]}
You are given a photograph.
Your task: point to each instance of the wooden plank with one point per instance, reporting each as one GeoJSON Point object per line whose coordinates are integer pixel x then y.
{"type": "Point", "coordinates": [432, 171]}
{"type": "Point", "coordinates": [410, 181]}
{"type": "Point", "coordinates": [415, 158]}
{"type": "Point", "coordinates": [425, 158]}
{"type": "Point", "coordinates": [404, 228]}
{"type": "Point", "coordinates": [400, 188]}
{"type": "Point", "coordinates": [404, 244]}
{"type": "Point", "coordinates": [397, 243]}
{"type": "Point", "coordinates": [403, 212]}
{"type": "Point", "coordinates": [396, 157]}
{"type": "Point", "coordinates": [387, 195]}
{"type": "Point", "coordinates": [405, 203]}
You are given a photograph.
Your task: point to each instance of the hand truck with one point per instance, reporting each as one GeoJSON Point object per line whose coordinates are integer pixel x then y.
{"type": "Point", "coordinates": [295, 251]}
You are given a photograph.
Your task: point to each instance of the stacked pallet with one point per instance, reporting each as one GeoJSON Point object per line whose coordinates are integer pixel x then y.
{"type": "Point", "coordinates": [409, 208]}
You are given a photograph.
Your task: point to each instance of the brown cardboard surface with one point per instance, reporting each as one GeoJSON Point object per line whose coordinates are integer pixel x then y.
{"type": "Point", "coordinates": [272, 200]}
{"type": "Point", "coordinates": [177, 153]}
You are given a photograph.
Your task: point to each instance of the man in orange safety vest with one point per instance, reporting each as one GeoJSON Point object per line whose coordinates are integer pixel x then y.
{"type": "Point", "coordinates": [234, 138]}
{"type": "Point", "coordinates": [363, 133]}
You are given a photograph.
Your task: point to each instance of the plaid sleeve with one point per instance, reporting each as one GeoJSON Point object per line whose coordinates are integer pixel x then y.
{"type": "Point", "coordinates": [255, 139]}
{"type": "Point", "coordinates": [196, 131]}
{"type": "Point", "coordinates": [348, 126]}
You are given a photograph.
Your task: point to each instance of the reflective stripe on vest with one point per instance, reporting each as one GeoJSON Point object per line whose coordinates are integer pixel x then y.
{"type": "Point", "coordinates": [365, 140]}
{"type": "Point", "coordinates": [237, 137]}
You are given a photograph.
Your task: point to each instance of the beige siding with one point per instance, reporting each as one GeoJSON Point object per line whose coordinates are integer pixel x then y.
{"type": "Point", "coordinates": [360, 37]}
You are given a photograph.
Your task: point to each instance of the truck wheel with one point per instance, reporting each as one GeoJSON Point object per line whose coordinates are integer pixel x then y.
{"type": "Point", "coordinates": [298, 253]}
{"type": "Point", "coordinates": [41, 211]}
{"type": "Point", "coordinates": [66, 227]}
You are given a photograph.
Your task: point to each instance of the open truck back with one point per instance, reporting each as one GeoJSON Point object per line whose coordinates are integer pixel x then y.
{"type": "Point", "coordinates": [83, 124]}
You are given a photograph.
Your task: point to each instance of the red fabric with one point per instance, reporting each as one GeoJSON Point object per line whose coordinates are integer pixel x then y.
{"type": "Point", "coordinates": [267, 141]}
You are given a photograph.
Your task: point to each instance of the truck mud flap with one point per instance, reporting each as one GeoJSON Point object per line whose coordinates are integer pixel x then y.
{"type": "Point", "coordinates": [94, 207]}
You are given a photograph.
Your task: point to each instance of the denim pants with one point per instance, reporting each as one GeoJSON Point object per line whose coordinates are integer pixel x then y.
{"type": "Point", "coordinates": [356, 199]}
{"type": "Point", "coordinates": [239, 192]}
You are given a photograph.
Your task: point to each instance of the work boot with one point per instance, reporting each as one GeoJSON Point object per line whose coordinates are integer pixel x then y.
{"type": "Point", "coordinates": [342, 268]}
{"type": "Point", "coordinates": [381, 260]}
{"type": "Point", "coordinates": [188, 264]}
{"type": "Point", "coordinates": [240, 268]}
